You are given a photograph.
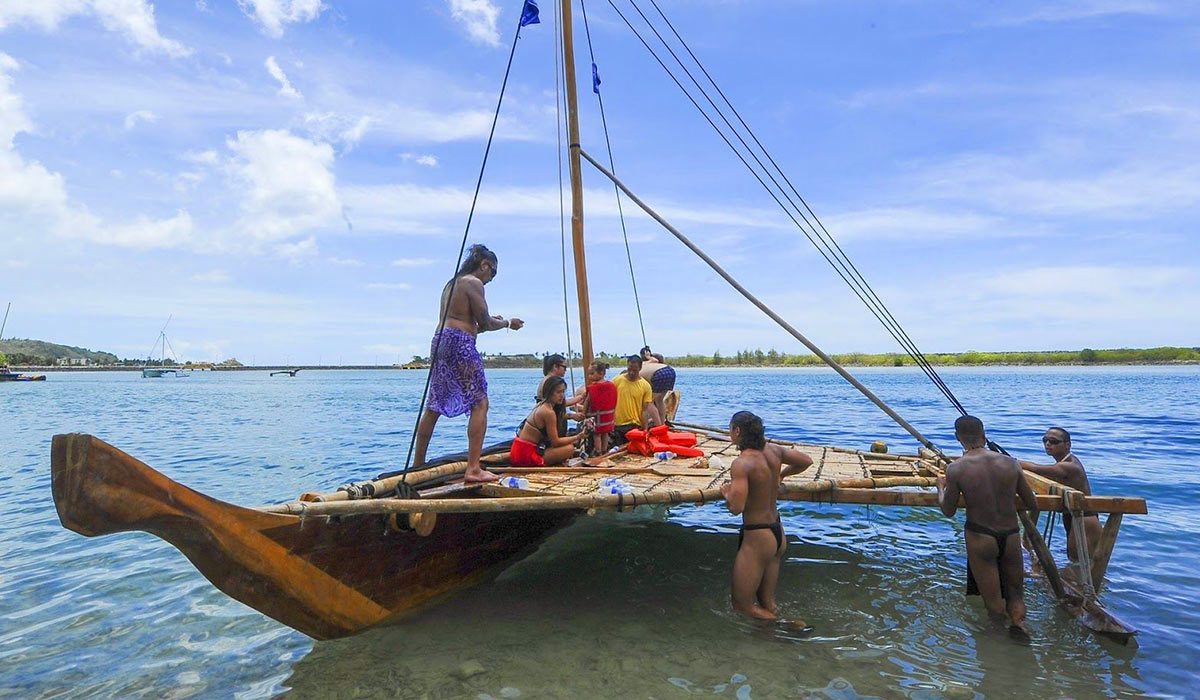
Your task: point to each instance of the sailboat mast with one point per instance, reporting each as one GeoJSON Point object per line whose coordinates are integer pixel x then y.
{"type": "Point", "coordinates": [585, 310]}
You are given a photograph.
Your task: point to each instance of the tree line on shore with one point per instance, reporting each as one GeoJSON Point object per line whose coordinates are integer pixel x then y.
{"type": "Point", "coordinates": [774, 358]}
{"type": "Point", "coordinates": [1086, 356]}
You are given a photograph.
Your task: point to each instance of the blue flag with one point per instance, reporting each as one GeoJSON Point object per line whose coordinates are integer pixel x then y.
{"type": "Point", "coordinates": [529, 14]}
{"type": "Point", "coordinates": [595, 80]}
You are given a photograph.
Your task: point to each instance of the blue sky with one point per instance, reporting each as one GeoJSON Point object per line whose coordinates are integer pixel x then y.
{"type": "Point", "coordinates": [290, 178]}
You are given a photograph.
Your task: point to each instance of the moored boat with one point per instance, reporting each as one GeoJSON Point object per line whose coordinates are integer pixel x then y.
{"type": "Point", "coordinates": [7, 375]}
{"type": "Point", "coordinates": [162, 370]}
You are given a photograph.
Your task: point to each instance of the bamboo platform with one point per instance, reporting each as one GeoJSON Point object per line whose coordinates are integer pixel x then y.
{"type": "Point", "coordinates": [838, 475]}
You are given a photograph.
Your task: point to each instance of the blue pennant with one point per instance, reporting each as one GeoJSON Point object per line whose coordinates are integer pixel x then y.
{"type": "Point", "coordinates": [529, 14]}
{"type": "Point", "coordinates": [595, 80]}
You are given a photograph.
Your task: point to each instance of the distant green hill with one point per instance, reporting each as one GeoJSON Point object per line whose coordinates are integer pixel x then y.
{"type": "Point", "coordinates": [40, 352]}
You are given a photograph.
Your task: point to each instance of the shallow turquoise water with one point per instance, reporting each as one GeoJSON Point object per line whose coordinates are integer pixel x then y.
{"type": "Point", "coordinates": [631, 605]}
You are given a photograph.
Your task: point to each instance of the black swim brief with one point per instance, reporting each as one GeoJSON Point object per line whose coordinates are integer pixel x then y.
{"type": "Point", "coordinates": [1001, 545]}
{"type": "Point", "coordinates": [776, 529]}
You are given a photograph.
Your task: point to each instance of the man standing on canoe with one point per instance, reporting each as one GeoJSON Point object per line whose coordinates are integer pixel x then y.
{"type": "Point", "coordinates": [1068, 471]}
{"type": "Point", "coordinates": [457, 384]}
{"type": "Point", "coordinates": [990, 483]}
{"type": "Point", "coordinates": [752, 492]}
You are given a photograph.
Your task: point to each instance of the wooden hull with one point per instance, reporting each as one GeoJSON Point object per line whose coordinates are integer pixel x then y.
{"type": "Point", "coordinates": [322, 576]}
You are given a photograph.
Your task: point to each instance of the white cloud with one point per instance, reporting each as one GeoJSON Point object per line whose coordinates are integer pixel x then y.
{"type": "Point", "coordinates": [415, 209]}
{"type": "Point", "coordinates": [392, 348]}
{"type": "Point", "coordinates": [1074, 10]}
{"type": "Point", "coordinates": [915, 223]}
{"type": "Point", "coordinates": [355, 133]}
{"type": "Point", "coordinates": [272, 15]}
{"type": "Point", "coordinates": [412, 262]}
{"type": "Point", "coordinates": [299, 250]}
{"type": "Point", "coordinates": [142, 115]}
{"type": "Point", "coordinates": [426, 160]}
{"type": "Point", "coordinates": [478, 17]}
{"type": "Point", "coordinates": [1092, 285]}
{"type": "Point", "coordinates": [211, 276]}
{"type": "Point", "coordinates": [290, 185]}
{"type": "Point", "coordinates": [345, 262]}
{"type": "Point", "coordinates": [34, 198]}
{"type": "Point", "coordinates": [1039, 184]}
{"type": "Point", "coordinates": [389, 286]}
{"type": "Point", "coordinates": [132, 18]}
{"type": "Point", "coordinates": [207, 157]}
{"type": "Point", "coordinates": [285, 85]}
{"type": "Point", "coordinates": [145, 232]}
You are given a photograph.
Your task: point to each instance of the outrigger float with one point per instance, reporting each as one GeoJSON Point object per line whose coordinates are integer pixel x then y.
{"type": "Point", "coordinates": [336, 563]}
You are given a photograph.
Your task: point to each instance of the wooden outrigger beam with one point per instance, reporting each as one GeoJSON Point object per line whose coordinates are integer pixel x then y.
{"type": "Point", "coordinates": [856, 491]}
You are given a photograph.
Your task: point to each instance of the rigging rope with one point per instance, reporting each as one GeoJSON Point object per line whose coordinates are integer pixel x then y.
{"type": "Point", "coordinates": [612, 166]}
{"type": "Point", "coordinates": [907, 343]}
{"type": "Point", "coordinates": [562, 212]}
{"type": "Point", "coordinates": [462, 247]}
{"type": "Point", "coordinates": [829, 250]}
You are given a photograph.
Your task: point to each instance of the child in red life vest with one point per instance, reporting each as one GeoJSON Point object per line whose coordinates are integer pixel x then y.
{"type": "Point", "coordinates": [601, 403]}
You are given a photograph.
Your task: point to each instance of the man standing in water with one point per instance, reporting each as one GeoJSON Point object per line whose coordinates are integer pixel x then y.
{"type": "Point", "coordinates": [457, 384]}
{"type": "Point", "coordinates": [1068, 471]}
{"type": "Point", "coordinates": [752, 493]}
{"type": "Point", "coordinates": [990, 483]}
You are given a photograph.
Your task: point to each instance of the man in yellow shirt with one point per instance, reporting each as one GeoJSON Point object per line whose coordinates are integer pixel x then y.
{"type": "Point", "coordinates": [634, 400]}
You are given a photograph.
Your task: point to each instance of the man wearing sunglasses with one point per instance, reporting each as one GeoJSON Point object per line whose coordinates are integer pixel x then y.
{"type": "Point", "coordinates": [1068, 471]}
{"type": "Point", "coordinates": [457, 384]}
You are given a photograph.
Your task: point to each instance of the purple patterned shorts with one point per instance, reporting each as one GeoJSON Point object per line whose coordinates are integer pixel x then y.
{"type": "Point", "coordinates": [458, 383]}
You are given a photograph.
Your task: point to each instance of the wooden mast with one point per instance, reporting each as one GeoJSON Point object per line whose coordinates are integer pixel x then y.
{"type": "Point", "coordinates": [585, 311]}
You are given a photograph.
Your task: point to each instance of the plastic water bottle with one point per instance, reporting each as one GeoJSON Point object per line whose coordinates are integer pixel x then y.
{"type": "Point", "coordinates": [611, 485]}
{"type": "Point", "coordinates": [515, 482]}
{"type": "Point", "coordinates": [665, 455]}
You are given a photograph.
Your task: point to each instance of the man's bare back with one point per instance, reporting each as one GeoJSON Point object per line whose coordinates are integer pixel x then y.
{"type": "Point", "coordinates": [762, 501]}
{"type": "Point", "coordinates": [753, 492]}
{"type": "Point", "coordinates": [990, 483]}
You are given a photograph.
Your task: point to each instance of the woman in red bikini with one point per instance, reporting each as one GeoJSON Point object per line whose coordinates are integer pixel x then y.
{"type": "Point", "coordinates": [540, 428]}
